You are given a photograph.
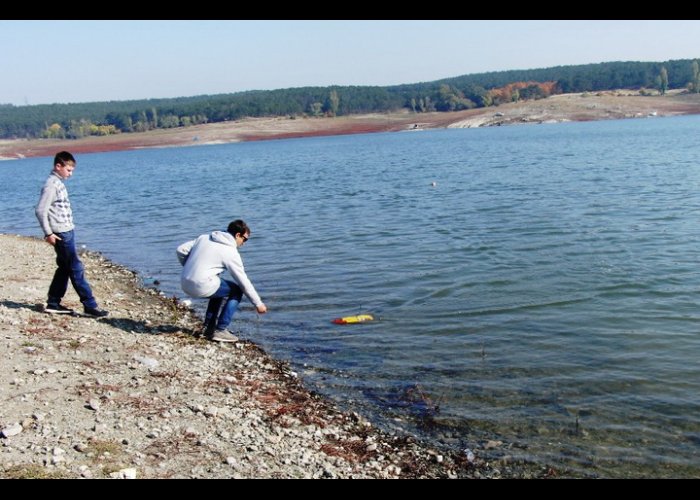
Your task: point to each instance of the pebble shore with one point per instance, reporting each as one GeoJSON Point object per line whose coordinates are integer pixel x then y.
{"type": "Point", "coordinates": [139, 395]}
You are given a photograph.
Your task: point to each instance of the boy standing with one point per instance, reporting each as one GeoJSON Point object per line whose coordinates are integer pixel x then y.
{"type": "Point", "coordinates": [204, 259]}
{"type": "Point", "coordinates": [56, 219]}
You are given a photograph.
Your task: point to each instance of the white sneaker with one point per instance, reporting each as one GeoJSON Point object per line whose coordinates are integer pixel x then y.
{"type": "Point", "coordinates": [57, 309]}
{"type": "Point", "coordinates": [223, 336]}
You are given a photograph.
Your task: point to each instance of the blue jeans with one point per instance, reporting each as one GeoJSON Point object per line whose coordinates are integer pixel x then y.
{"type": "Point", "coordinates": [69, 267]}
{"type": "Point", "coordinates": [232, 293]}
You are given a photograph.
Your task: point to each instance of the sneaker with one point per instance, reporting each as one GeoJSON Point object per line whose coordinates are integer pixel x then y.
{"type": "Point", "coordinates": [95, 312]}
{"type": "Point", "coordinates": [208, 331]}
{"type": "Point", "coordinates": [57, 309]}
{"type": "Point", "coordinates": [223, 336]}
{"type": "Point", "coordinates": [203, 331]}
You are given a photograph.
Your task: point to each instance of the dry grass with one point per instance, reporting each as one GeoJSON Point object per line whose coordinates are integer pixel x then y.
{"type": "Point", "coordinates": [144, 406]}
{"type": "Point", "coordinates": [32, 471]}
{"type": "Point", "coordinates": [108, 455]}
{"type": "Point", "coordinates": [177, 445]}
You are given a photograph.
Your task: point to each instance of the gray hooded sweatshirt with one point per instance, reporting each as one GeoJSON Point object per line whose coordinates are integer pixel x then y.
{"type": "Point", "coordinates": [53, 210]}
{"type": "Point", "coordinates": [205, 258]}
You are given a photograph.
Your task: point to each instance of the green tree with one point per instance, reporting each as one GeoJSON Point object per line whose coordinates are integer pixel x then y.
{"type": "Point", "coordinates": [142, 123]}
{"type": "Point", "coordinates": [332, 103]}
{"type": "Point", "coordinates": [695, 82]}
{"type": "Point", "coordinates": [169, 121]}
{"type": "Point", "coordinates": [55, 131]}
{"type": "Point", "coordinates": [315, 108]}
{"type": "Point", "coordinates": [154, 117]}
{"type": "Point", "coordinates": [663, 80]}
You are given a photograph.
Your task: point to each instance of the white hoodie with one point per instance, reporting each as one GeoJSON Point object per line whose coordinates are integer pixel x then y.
{"type": "Point", "coordinates": [206, 258]}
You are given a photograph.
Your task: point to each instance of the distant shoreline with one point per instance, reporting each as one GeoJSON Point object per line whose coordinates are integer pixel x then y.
{"type": "Point", "coordinates": [606, 105]}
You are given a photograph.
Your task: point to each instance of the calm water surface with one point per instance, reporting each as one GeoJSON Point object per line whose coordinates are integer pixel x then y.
{"type": "Point", "coordinates": [544, 292]}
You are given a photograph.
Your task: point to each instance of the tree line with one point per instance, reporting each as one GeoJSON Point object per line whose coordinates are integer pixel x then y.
{"type": "Point", "coordinates": [451, 94]}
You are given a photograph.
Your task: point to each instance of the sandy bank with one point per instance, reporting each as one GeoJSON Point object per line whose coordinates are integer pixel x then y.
{"type": "Point", "coordinates": [559, 108]}
{"type": "Point", "coordinates": [137, 395]}
{"type": "Point", "coordinates": [584, 107]}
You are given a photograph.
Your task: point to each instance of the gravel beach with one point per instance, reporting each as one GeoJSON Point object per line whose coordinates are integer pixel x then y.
{"type": "Point", "coordinates": [139, 395]}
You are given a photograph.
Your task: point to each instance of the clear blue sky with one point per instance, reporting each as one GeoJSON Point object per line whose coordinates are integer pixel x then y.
{"type": "Point", "coordinates": [82, 61]}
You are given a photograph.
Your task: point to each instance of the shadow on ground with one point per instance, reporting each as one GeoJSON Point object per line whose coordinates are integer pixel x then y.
{"type": "Point", "coordinates": [11, 304]}
{"type": "Point", "coordinates": [132, 326]}
{"type": "Point", "coordinates": [126, 324]}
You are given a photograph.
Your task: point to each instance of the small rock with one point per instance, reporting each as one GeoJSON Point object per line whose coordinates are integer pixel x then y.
{"type": "Point", "coordinates": [94, 404]}
{"type": "Point", "coordinates": [129, 473]}
{"type": "Point", "coordinates": [212, 411]}
{"type": "Point", "coordinates": [99, 428]}
{"type": "Point", "coordinates": [197, 408]}
{"type": "Point", "coordinates": [148, 362]}
{"type": "Point", "coordinates": [11, 430]}
{"type": "Point", "coordinates": [394, 470]}
{"type": "Point", "coordinates": [124, 474]}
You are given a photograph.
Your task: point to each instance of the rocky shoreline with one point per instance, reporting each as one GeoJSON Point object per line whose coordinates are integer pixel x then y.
{"type": "Point", "coordinates": [139, 395]}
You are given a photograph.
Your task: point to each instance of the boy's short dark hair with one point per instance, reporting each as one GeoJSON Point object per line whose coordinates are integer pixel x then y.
{"type": "Point", "coordinates": [63, 157]}
{"type": "Point", "coordinates": [238, 226]}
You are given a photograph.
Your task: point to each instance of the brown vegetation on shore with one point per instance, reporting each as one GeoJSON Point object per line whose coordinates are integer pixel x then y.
{"type": "Point", "coordinates": [558, 108]}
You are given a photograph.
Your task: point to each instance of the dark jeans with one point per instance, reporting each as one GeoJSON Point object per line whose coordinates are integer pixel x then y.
{"type": "Point", "coordinates": [69, 267]}
{"type": "Point", "coordinates": [232, 293]}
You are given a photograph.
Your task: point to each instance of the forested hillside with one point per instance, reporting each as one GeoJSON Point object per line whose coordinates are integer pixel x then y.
{"type": "Point", "coordinates": [451, 94]}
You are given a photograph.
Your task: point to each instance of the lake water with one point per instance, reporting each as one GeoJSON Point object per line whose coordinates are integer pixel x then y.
{"type": "Point", "coordinates": [543, 293]}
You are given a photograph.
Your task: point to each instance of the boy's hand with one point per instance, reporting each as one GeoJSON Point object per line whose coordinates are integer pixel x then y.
{"type": "Point", "coordinates": [262, 309]}
{"type": "Point", "coordinates": [52, 239]}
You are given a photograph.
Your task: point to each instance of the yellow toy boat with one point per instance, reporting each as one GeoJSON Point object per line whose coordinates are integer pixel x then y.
{"type": "Point", "coordinates": [347, 320]}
